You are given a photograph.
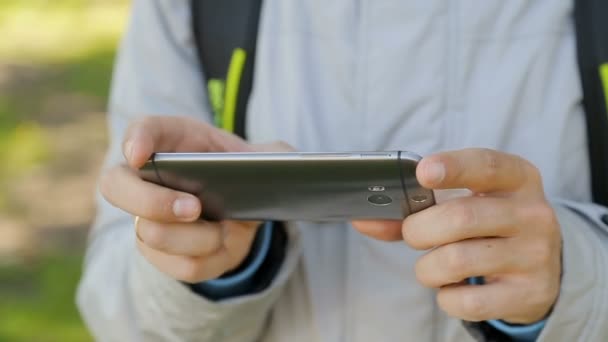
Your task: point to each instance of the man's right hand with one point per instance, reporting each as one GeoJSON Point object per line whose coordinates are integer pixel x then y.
{"type": "Point", "coordinates": [169, 234]}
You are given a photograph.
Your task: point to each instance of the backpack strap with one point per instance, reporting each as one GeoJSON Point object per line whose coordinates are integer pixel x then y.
{"type": "Point", "coordinates": [592, 39]}
{"type": "Point", "coordinates": [225, 33]}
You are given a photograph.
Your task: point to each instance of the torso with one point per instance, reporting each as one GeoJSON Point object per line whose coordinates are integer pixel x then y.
{"type": "Point", "coordinates": [413, 75]}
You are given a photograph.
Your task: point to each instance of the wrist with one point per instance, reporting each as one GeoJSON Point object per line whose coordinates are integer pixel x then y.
{"type": "Point", "coordinates": [252, 262]}
{"type": "Point", "coordinates": [256, 272]}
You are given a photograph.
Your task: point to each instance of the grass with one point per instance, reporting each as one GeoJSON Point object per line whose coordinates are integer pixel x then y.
{"type": "Point", "coordinates": [38, 299]}
{"type": "Point", "coordinates": [69, 46]}
{"type": "Point", "coordinates": [22, 136]}
{"type": "Point", "coordinates": [53, 54]}
{"type": "Point", "coordinates": [46, 31]}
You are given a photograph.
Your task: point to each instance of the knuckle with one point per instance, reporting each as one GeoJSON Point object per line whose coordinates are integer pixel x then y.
{"type": "Point", "coordinates": [511, 219]}
{"type": "Point", "coordinates": [410, 234]}
{"type": "Point", "coordinates": [542, 253]}
{"type": "Point", "coordinates": [549, 292]}
{"type": "Point", "coordinates": [166, 204]}
{"type": "Point", "coordinates": [545, 215]}
{"type": "Point", "coordinates": [191, 270]}
{"type": "Point", "coordinates": [107, 179]}
{"type": "Point", "coordinates": [462, 214]}
{"type": "Point", "coordinates": [161, 207]}
{"type": "Point", "coordinates": [540, 297]}
{"type": "Point", "coordinates": [474, 306]}
{"type": "Point", "coordinates": [531, 172]}
{"type": "Point", "coordinates": [154, 235]}
{"type": "Point", "coordinates": [214, 240]}
{"type": "Point", "coordinates": [455, 260]}
{"type": "Point", "coordinates": [421, 272]}
{"type": "Point", "coordinates": [491, 163]}
{"type": "Point", "coordinates": [541, 216]}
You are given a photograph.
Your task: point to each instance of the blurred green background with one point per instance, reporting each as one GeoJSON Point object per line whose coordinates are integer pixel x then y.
{"type": "Point", "coordinates": [55, 66]}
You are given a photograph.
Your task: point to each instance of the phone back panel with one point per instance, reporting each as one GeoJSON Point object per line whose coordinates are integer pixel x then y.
{"type": "Point", "coordinates": [293, 186]}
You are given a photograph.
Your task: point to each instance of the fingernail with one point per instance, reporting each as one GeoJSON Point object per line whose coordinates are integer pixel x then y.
{"type": "Point", "coordinates": [435, 172]}
{"type": "Point", "coordinates": [129, 150]}
{"type": "Point", "coordinates": [186, 207]}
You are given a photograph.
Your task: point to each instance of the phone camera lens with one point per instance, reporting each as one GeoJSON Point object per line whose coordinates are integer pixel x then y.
{"type": "Point", "coordinates": [379, 200]}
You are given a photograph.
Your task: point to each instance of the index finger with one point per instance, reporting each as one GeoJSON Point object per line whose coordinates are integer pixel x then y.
{"type": "Point", "coordinates": [173, 134]}
{"type": "Point", "coordinates": [477, 169]}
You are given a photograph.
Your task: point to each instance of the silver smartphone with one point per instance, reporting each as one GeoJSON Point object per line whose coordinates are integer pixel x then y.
{"type": "Point", "coordinates": [295, 186]}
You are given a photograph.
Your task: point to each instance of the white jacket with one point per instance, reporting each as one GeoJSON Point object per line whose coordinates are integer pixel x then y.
{"type": "Point", "coordinates": [343, 75]}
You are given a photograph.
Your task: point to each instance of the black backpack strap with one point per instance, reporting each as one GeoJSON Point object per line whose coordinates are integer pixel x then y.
{"type": "Point", "coordinates": [225, 33]}
{"type": "Point", "coordinates": [591, 18]}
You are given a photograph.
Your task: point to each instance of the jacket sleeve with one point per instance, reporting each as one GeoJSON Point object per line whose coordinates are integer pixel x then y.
{"type": "Point", "coordinates": [582, 306]}
{"type": "Point", "coordinates": [121, 296]}
{"type": "Point", "coordinates": [580, 311]}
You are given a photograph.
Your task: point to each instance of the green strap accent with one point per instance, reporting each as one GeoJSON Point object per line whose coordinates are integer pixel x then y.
{"type": "Point", "coordinates": [215, 88]}
{"type": "Point", "coordinates": [604, 77]}
{"type": "Point", "coordinates": [235, 71]}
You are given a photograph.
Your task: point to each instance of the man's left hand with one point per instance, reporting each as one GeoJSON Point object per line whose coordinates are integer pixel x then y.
{"type": "Point", "coordinates": [506, 232]}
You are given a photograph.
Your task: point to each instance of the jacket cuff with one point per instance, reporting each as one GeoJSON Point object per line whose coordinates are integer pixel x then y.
{"type": "Point", "coordinates": [520, 333]}
{"type": "Point", "coordinates": [578, 314]}
{"type": "Point", "coordinates": [242, 281]}
{"type": "Point", "coordinates": [158, 297]}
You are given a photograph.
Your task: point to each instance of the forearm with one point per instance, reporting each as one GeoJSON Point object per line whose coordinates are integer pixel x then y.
{"type": "Point", "coordinates": [123, 297]}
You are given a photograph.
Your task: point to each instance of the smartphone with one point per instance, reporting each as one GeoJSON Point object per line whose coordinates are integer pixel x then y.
{"type": "Point", "coordinates": [295, 186]}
